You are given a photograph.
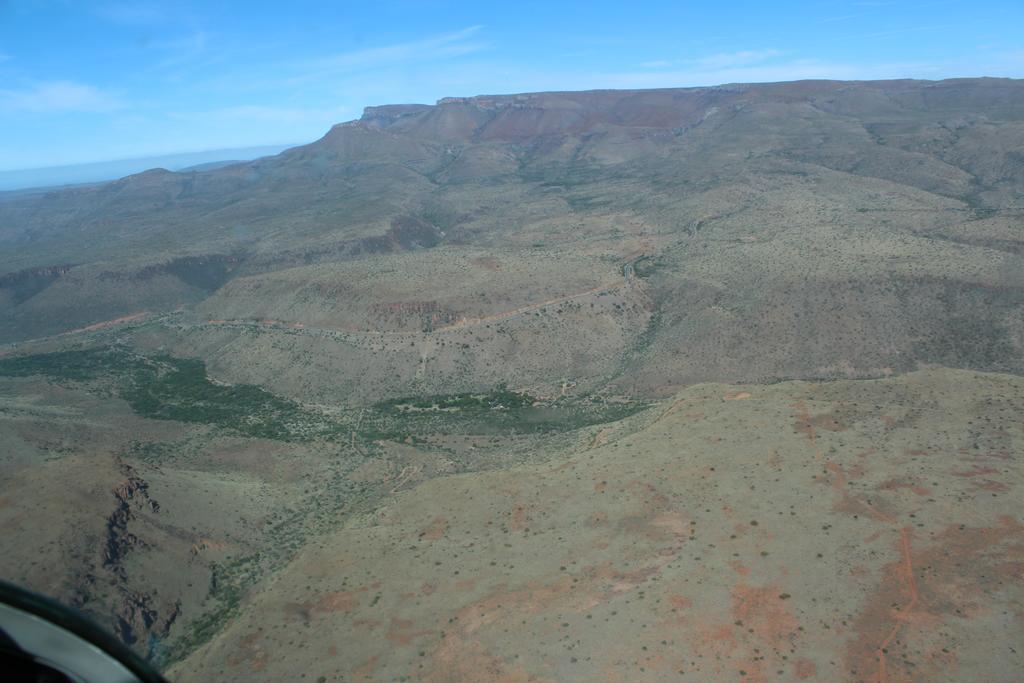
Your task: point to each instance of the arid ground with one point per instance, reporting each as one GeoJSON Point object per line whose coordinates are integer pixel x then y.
{"type": "Point", "coordinates": [699, 384]}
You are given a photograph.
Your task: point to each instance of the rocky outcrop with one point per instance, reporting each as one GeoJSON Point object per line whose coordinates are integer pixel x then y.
{"type": "Point", "coordinates": [136, 616]}
{"type": "Point", "coordinates": [132, 493]}
{"type": "Point", "coordinates": [24, 284]}
{"type": "Point", "coordinates": [11, 279]}
{"type": "Point", "coordinates": [207, 272]}
{"type": "Point", "coordinates": [387, 114]}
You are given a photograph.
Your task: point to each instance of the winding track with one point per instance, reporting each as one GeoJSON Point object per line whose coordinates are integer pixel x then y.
{"type": "Point", "coordinates": [628, 281]}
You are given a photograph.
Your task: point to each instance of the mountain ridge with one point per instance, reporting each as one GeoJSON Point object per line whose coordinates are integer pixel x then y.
{"type": "Point", "coordinates": [906, 190]}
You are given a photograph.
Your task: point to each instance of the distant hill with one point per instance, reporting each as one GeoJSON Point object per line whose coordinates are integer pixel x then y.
{"type": "Point", "coordinates": [639, 240]}
{"type": "Point", "coordinates": [76, 174]}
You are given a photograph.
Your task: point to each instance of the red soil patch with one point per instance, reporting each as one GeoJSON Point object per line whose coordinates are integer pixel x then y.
{"type": "Point", "coordinates": [680, 601]}
{"type": "Point", "coordinates": [401, 631]}
{"type": "Point", "coordinates": [765, 613]}
{"type": "Point", "coordinates": [967, 567]}
{"type": "Point", "coordinates": [462, 661]}
{"type": "Point", "coordinates": [804, 423]}
{"type": "Point", "coordinates": [364, 673]}
{"type": "Point", "coordinates": [109, 323]}
{"type": "Point", "coordinates": [896, 484]}
{"type": "Point", "coordinates": [760, 631]}
{"type": "Point", "coordinates": [807, 423]}
{"type": "Point", "coordinates": [740, 568]}
{"type": "Point", "coordinates": [518, 518]}
{"type": "Point", "coordinates": [252, 651]}
{"type": "Point", "coordinates": [465, 585]}
{"type": "Point", "coordinates": [804, 669]}
{"type": "Point", "coordinates": [849, 503]}
{"type": "Point", "coordinates": [488, 262]}
{"type": "Point", "coordinates": [435, 530]}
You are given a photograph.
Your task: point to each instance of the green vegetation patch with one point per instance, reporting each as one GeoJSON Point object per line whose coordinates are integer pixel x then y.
{"type": "Point", "coordinates": [500, 411]}
{"type": "Point", "coordinates": [78, 366]}
{"type": "Point", "coordinates": [165, 388]}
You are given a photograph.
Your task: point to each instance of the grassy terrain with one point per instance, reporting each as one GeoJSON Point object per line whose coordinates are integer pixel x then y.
{"type": "Point", "coordinates": [839, 531]}
{"type": "Point", "coordinates": [165, 388]}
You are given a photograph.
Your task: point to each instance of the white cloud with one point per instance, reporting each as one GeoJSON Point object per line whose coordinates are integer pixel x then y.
{"type": "Point", "coordinates": [59, 96]}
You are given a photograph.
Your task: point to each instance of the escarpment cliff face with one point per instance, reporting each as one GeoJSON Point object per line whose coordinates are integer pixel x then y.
{"type": "Point", "coordinates": [140, 614]}
{"type": "Point", "coordinates": [22, 285]}
{"type": "Point", "coordinates": [130, 494]}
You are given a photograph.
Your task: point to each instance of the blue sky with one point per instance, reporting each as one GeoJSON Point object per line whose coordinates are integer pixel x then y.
{"type": "Point", "coordinates": [82, 81]}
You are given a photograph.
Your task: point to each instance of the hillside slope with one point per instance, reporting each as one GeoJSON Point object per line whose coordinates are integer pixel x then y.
{"type": "Point", "coordinates": [811, 229]}
{"type": "Point", "coordinates": [852, 531]}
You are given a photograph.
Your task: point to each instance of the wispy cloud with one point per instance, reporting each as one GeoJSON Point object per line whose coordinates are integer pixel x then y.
{"type": "Point", "coordinates": [896, 31]}
{"type": "Point", "coordinates": [843, 17]}
{"type": "Point", "coordinates": [265, 114]}
{"type": "Point", "coordinates": [59, 96]}
{"type": "Point", "coordinates": [5, 57]}
{"type": "Point", "coordinates": [365, 70]}
{"type": "Point", "coordinates": [182, 50]}
{"type": "Point", "coordinates": [418, 51]}
{"type": "Point", "coordinates": [789, 70]}
{"type": "Point", "coordinates": [132, 13]}
{"type": "Point", "coordinates": [724, 60]}
{"type": "Point", "coordinates": [719, 60]}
